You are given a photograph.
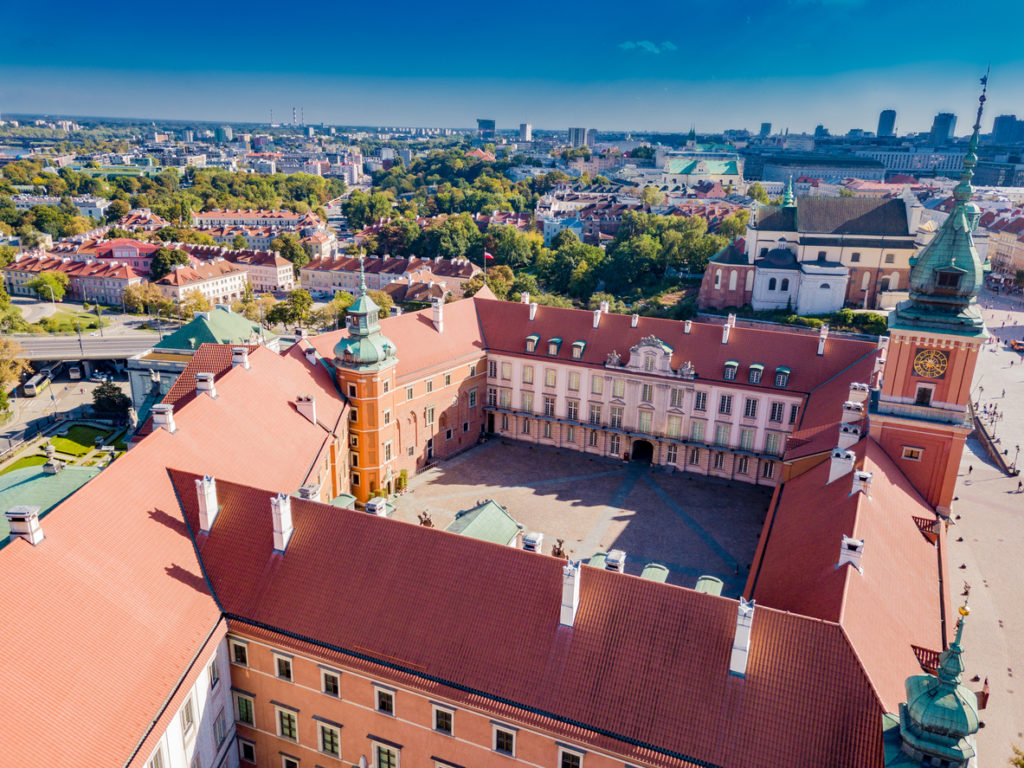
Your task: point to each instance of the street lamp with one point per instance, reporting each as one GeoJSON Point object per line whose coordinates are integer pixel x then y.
{"type": "Point", "coordinates": [1015, 455]}
{"type": "Point", "coordinates": [53, 301]}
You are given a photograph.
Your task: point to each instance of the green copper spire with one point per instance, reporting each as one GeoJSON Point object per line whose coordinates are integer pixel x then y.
{"type": "Point", "coordinates": [788, 199]}
{"type": "Point", "coordinates": [947, 275]}
{"type": "Point", "coordinates": [362, 274]}
{"type": "Point", "coordinates": [365, 347]}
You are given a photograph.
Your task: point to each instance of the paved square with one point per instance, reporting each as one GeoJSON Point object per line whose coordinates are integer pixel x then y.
{"type": "Point", "coordinates": [693, 525]}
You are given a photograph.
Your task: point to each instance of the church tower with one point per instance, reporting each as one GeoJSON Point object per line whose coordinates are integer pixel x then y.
{"type": "Point", "coordinates": [921, 416]}
{"type": "Point", "coordinates": [364, 362]}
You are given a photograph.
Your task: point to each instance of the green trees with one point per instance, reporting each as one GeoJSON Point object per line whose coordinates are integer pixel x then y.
{"type": "Point", "coordinates": [361, 209]}
{"type": "Point", "coordinates": [11, 368]}
{"type": "Point", "coordinates": [652, 196]}
{"type": "Point", "coordinates": [290, 246]}
{"type": "Point", "coordinates": [116, 210]}
{"type": "Point", "coordinates": [239, 243]}
{"type": "Point", "coordinates": [382, 300]}
{"type": "Point", "coordinates": [108, 398]}
{"type": "Point", "coordinates": [758, 192]}
{"type": "Point", "coordinates": [49, 285]}
{"type": "Point", "coordinates": [164, 260]}
{"type": "Point", "coordinates": [735, 225]}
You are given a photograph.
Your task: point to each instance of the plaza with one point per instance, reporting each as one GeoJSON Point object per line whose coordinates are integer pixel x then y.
{"type": "Point", "coordinates": [692, 525]}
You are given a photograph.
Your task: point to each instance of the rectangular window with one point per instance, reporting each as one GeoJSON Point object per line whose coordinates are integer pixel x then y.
{"type": "Point", "coordinates": [646, 393]}
{"type": "Point", "coordinates": [721, 434]}
{"type": "Point", "coordinates": [549, 406]}
{"type": "Point", "coordinates": [472, 398]}
{"type": "Point", "coordinates": [648, 362]}
{"type": "Point", "coordinates": [547, 430]}
{"type": "Point", "coordinates": [725, 405]}
{"type": "Point", "coordinates": [677, 398]}
{"type": "Point", "coordinates": [287, 724]}
{"type": "Point", "coordinates": [506, 371]}
{"type": "Point", "coordinates": [330, 683]}
{"type": "Point", "coordinates": [504, 421]}
{"type": "Point", "coordinates": [644, 423]}
{"type": "Point", "coordinates": [781, 379]}
{"type": "Point", "coordinates": [755, 376]}
{"type": "Point", "coordinates": [671, 454]}
{"type": "Point", "coordinates": [526, 426]}
{"type": "Point", "coordinates": [243, 709]}
{"type": "Point", "coordinates": [472, 370]}
{"type": "Point", "coordinates": [385, 701]}
{"type": "Point", "coordinates": [351, 390]}
{"type": "Point", "coordinates": [492, 397]}
{"type": "Point", "coordinates": [443, 720]}
{"type": "Point", "coordinates": [890, 258]}
{"type": "Point", "coordinates": [387, 417]}
{"type": "Point", "coordinates": [697, 431]}
{"type": "Point", "coordinates": [429, 415]}
{"type": "Point", "coordinates": [614, 445]}
{"type": "Point", "coordinates": [492, 369]}
{"type": "Point", "coordinates": [616, 417]}
{"type": "Point", "coordinates": [386, 386]}
{"type": "Point", "coordinates": [675, 426]}
{"type": "Point", "coordinates": [157, 760]}
{"type": "Point", "coordinates": [913, 454]}
{"type": "Point", "coordinates": [776, 412]}
{"type": "Point", "coordinates": [618, 388]}
{"type": "Point", "coordinates": [771, 444]}
{"type": "Point", "coordinates": [188, 716]}
{"type": "Point", "coordinates": [595, 414]}
{"type": "Point", "coordinates": [283, 666]}
{"type": "Point", "coordinates": [592, 438]}
{"type": "Point", "coordinates": [527, 374]}
{"type": "Point", "coordinates": [700, 401]}
{"type": "Point", "coordinates": [550, 377]}
{"type": "Point", "coordinates": [742, 465]}
{"type": "Point", "coordinates": [355, 479]}
{"type": "Point", "coordinates": [574, 381]}
{"type": "Point", "coordinates": [239, 653]}
{"type": "Point", "coordinates": [569, 759]}
{"type": "Point", "coordinates": [387, 449]}
{"type": "Point", "coordinates": [694, 456]}
{"type": "Point", "coordinates": [746, 439]}
{"type": "Point", "coordinates": [330, 740]}
{"type": "Point", "coordinates": [854, 258]}
{"type": "Point", "coordinates": [570, 435]}
{"type": "Point", "coordinates": [353, 416]}
{"type": "Point", "coordinates": [572, 410]}
{"type": "Point", "coordinates": [596, 385]}
{"type": "Point", "coordinates": [505, 741]}
{"type": "Point", "coordinates": [527, 402]}
{"type": "Point", "coordinates": [792, 414]}
{"type": "Point", "coordinates": [447, 379]}
{"type": "Point", "coordinates": [246, 751]}
{"type": "Point", "coordinates": [386, 757]}
{"type": "Point", "coordinates": [730, 372]}
{"type": "Point", "coordinates": [430, 386]}
{"type": "Point", "coordinates": [750, 408]}
{"type": "Point", "coordinates": [220, 728]}
{"type": "Point", "coordinates": [353, 459]}
{"type": "Point", "coordinates": [506, 398]}
{"type": "Point", "coordinates": [408, 393]}
{"type": "Point", "coordinates": [768, 470]}
{"type": "Point", "coordinates": [214, 672]}
{"type": "Point", "coordinates": [719, 460]}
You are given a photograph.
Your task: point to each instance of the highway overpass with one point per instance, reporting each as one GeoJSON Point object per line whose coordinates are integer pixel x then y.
{"type": "Point", "coordinates": [47, 347]}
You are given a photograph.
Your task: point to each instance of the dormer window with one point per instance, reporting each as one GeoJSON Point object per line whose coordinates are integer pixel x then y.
{"type": "Point", "coordinates": [531, 343]}
{"type": "Point", "coordinates": [577, 349]}
{"type": "Point", "coordinates": [730, 370]}
{"type": "Point", "coordinates": [947, 279]}
{"type": "Point", "coordinates": [648, 362]}
{"type": "Point", "coordinates": [553, 345]}
{"type": "Point", "coordinates": [782, 377]}
{"type": "Point", "coordinates": [755, 373]}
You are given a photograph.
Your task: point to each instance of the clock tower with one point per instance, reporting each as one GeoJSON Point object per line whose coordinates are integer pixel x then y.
{"type": "Point", "coordinates": [921, 417]}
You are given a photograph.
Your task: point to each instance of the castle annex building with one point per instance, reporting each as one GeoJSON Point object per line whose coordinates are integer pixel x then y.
{"type": "Point", "coordinates": [214, 599]}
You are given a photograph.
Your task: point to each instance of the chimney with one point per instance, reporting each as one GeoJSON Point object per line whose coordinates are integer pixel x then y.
{"type": "Point", "coordinates": [822, 335]}
{"type": "Point", "coordinates": [240, 356]}
{"type": "Point", "coordinates": [850, 551]}
{"type": "Point", "coordinates": [24, 523]}
{"type": "Point", "coordinates": [206, 490]}
{"type": "Point", "coordinates": [533, 309]}
{"type": "Point", "coordinates": [311, 356]}
{"type": "Point", "coordinates": [524, 298]}
{"type": "Point", "coordinates": [597, 317]}
{"type": "Point", "coordinates": [533, 541]}
{"type": "Point", "coordinates": [310, 491]}
{"type": "Point", "coordinates": [687, 326]}
{"type": "Point", "coordinates": [437, 314]}
{"type": "Point", "coordinates": [281, 511]}
{"type": "Point", "coordinates": [725, 331]}
{"type": "Point", "coordinates": [306, 405]}
{"type": "Point", "coordinates": [849, 434]}
{"type": "Point", "coordinates": [163, 416]}
{"type": "Point", "coordinates": [862, 482]}
{"type": "Point", "coordinates": [570, 593]}
{"type": "Point", "coordinates": [204, 383]}
{"type": "Point", "coordinates": [741, 641]}
{"type": "Point", "coordinates": [858, 392]}
{"type": "Point", "coordinates": [634, 320]}
{"type": "Point", "coordinates": [852, 412]}
{"type": "Point", "coordinates": [841, 463]}
{"type": "Point", "coordinates": [604, 307]}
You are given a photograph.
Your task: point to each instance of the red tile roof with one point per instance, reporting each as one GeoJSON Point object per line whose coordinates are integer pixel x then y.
{"type": "Point", "coordinates": [199, 272]}
{"type": "Point", "coordinates": [645, 664]}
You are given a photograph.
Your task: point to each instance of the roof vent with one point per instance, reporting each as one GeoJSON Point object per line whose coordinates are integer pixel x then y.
{"type": "Point", "coordinates": [163, 416]}
{"type": "Point", "coordinates": [533, 541]}
{"type": "Point", "coordinates": [850, 551]}
{"type": "Point", "coordinates": [841, 463]}
{"type": "Point", "coordinates": [849, 435]}
{"type": "Point", "coordinates": [570, 593]}
{"type": "Point", "coordinates": [725, 333]}
{"type": "Point", "coordinates": [311, 356]}
{"type": "Point", "coordinates": [204, 383]}
{"type": "Point", "coordinates": [615, 561]}
{"type": "Point", "coordinates": [862, 482]}
{"type": "Point", "coordinates": [206, 490]}
{"type": "Point", "coordinates": [634, 320]}
{"type": "Point", "coordinates": [822, 336]}
{"type": "Point", "coordinates": [281, 511]}
{"type": "Point", "coordinates": [240, 356]}
{"type": "Point", "coordinates": [24, 523]}
{"type": "Point", "coordinates": [741, 641]}
{"type": "Point", "coordinates": [524, 298]}
{"type": "Point", "coordinates": [858, 392]}
{"type": "Point", "coordinates": [310, 492]}
{"type": "Point", "coordinates": [533, 309]}
{"type": "Point", "coordinates": [687, 326]}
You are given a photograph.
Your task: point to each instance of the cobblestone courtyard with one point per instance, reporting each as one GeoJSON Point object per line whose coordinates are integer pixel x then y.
{"type": "Point", "coordinates": [692, 525]}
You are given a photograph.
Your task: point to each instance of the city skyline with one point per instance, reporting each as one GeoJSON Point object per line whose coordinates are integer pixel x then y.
{"type": "Point", "coordinates": [448, 66]}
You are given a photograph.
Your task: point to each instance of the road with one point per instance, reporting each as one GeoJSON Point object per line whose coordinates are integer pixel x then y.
{"type": "Point", "coordinates": [109, 347]}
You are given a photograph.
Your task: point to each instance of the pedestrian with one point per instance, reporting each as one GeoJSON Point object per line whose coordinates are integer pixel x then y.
{"type": "Point", "coordinates": [1020, 486]}
{"type": "Point", "coordinates": [1004, 393]}
{"type": "Point", "coordinates": [970, 468]}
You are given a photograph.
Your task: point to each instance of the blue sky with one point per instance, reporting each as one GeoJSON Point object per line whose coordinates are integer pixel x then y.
{"type": "Point", "coordinates": [631, 66]}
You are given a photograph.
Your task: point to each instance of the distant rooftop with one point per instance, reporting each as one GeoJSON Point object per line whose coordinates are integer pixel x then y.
{"type": "Point", "coordinates": [32, 487]}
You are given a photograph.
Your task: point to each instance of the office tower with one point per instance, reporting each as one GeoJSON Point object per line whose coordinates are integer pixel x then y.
{"type": "Point", "coordinates": [225, 134]}
{"type": "Point", "coordinates": [766, 130]}
{"type": "Point", "coordinates": [821, 132]}
{"type": "Point", "coordinates": [942, 128]}
{"type": "Point", "coordinates": [1007, 129]}
{"type": "Point", "coordinates": [526, 132]}
{"type": "Point", "coordinates": [887, 123]}
{"type": "Point", "coordinates": [582, 137]}
{"type": "Point", "coordinates": [590, 138]}
{"type": "Point", "coordinates": [486, 129]}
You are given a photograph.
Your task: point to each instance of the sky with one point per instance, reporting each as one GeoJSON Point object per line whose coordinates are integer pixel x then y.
{"type": "Point", "coordinates": [657, 65]}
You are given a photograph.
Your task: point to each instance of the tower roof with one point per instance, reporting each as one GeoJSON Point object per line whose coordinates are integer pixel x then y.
{"type": "Point", "coordinates": [364, 347]}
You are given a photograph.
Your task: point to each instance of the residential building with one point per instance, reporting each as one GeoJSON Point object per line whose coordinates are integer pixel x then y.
{"type": "Point", "coordinates": [526, 132]}
{"type": "Point", "coordinates": [268, 271]}
{"type": "Point", "coordinates": [218, 280]}
{"type": "Point", "coordinates": [780, 167]}
{"type": "Point", "coordinates": [256, 218]}
{"type": "Point", "coordinates": [916, 161]}
{"type": "Point", "coordinates": [766, 130]}
{"type": "Point", "coordinates": [582, 137]}
{"type": "Point", "coordinates": [142, 220]}
{"type": "Point", "coordinates": [87, 205]}
{"type": "Point", "coordinates": [94, 281]}
{"type": "Point", "coordinates": [485, 129]}
{"type": "Point", "coordinates": [328, 275]}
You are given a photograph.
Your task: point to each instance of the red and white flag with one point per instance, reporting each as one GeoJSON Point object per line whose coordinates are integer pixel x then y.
{"type": "Point", "coordinates": [487, 255]}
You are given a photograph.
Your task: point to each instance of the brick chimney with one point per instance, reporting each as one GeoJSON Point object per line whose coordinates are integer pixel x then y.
{"type": "Point", "coordinates": [570, 593]}
{"type": "Point", "coordinates": [741, 640]}
{"type": "Point", "coordinates": [306, 405]}
{"type": "Point", "coordinates": [206, 490]}
{"type": "Point", "coordinates": [850, 551]}
{"type": "Point", "coordinates": [240, 356]}
{"type": "Point", "coordinates": [204, 383]}
{"type": "Point", "coordinates": [281, 511]}
{"type": "Point", "coordinates": [24, 523]}
{"type": "Point", "coordinates": [163, 416]}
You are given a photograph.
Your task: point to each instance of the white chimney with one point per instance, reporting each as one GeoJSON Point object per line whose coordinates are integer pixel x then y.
{"type": "Point", "coordinates": [240, 356]}
{"type": "Point", "coordinates": [862, 482]}
{"type": "Point", "coordinates": [311, 356]}
{"type": "Point", "coordinates": [524, 298]}
{"type": "Point", "coordinates": [822, 336]}
{"type": "Point", "coordinates": [849, 435]}
{"type": "Point", "coordinates": [841, 463]}
{"type": "Point", "coordinates": [850, 551]}
{"type": "Point", "coordinates": [206, 490]}
{"type": "Point", "coordinates": [597, 317]}
{"type": "Point", "coordinates": [437, 314]}
{"type": "Point", "coordinates": [24, 523]}
{"type": "Point", "coordinates": [570, 593]}
{"type": "Point", "coordinates": [604, 307]}
{"type": "Point", "coordinates": [533, 309]}
{"type": "Point", "coordinates": [281, 510]}
{"type": "Point", "coordinates": [858, 392]}
{"type": "Point", "coordinates": [204, 383]}
{"type": "Point", "coordinates": [725, 333]}
{"type": "Point", "coordinates": [163, 416]}
{"type": "Point", "coordinates": [634, 320]}
{"type": "Point", "coordinates": [852, 412]}
{"type": "Point", "coordinates": [306, 405]}
{"type": "Point", "coordinates": [533, 541]}
{"type": "Point", "coordinates": [687, 326]}
{"type": "Point", "coordinates": [741, 641]}
{"type": "Point", "coordinates": [310, 491]}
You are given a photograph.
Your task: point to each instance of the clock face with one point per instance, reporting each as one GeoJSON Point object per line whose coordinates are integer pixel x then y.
{"type": "Point", "coordinates": [930, 363]}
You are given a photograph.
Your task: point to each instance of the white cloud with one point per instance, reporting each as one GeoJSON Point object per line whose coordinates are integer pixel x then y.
{"type": "Point", "coordinates": [647, 46]}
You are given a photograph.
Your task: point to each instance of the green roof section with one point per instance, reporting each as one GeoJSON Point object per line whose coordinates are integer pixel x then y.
{"type": "Point", "coordinates": [696, 166]}
{"type": "Point", "coordinates": [218, 326]}
{"type": "Point", "coordinates": [33, 487]}
{"type": "Point", "coordinates": [487, 521]}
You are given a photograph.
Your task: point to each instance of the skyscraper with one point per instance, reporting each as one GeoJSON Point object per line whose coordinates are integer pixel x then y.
{"type": "Point", "coordinates": [526, 132]}
{"type": "Point", "coordinates": [1007, 129]}
{"type": "Point", "coordinates": [485, 129]}
{"type": "Point", "coordinates": [225, 134]}
{"type": "Point", "coordinates": [766, 130]}
{"type": "Point", "coordinates": [887, 123]}
{"type": "Point", "coordinates": [577, 137]}
{"type": "Point", "coordinates": [942, 128]}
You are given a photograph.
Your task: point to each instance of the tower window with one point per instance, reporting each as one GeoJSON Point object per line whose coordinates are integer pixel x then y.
{"type": "Point", "coordinates": [948, 279]}
{"type": "Point", "coordinates": [924, 395]}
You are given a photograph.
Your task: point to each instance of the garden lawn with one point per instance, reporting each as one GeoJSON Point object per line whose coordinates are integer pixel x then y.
{"type": "Point", "coordinates": [79, 440]}
{"type": "Point", "coordinates": [24, 461]}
